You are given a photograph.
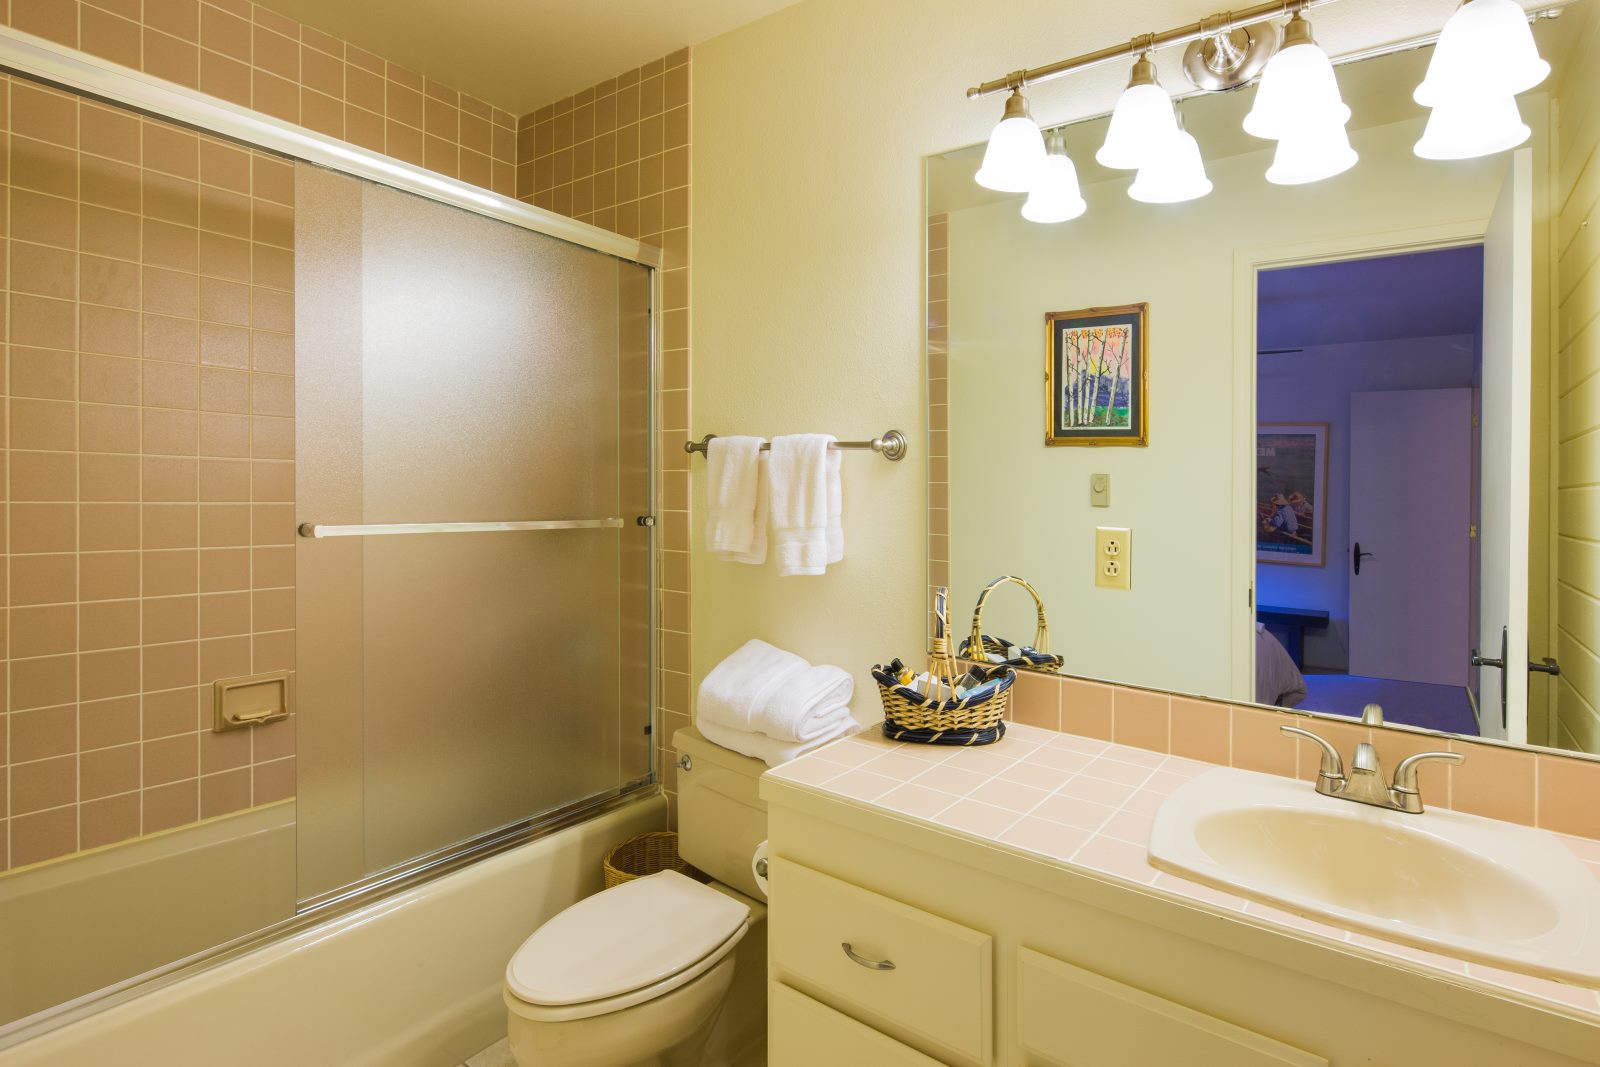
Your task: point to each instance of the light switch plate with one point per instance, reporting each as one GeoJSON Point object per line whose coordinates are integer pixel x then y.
{"type": "Point", "coordinates": [1100, 490]}
{"type": "Point", "coordinates": [1113, 557]}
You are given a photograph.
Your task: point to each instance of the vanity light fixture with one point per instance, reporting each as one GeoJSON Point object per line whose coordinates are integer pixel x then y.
{"type": "Point", "coordinates": [1174, 174]}
{"type": "Point", "coordinates": [1473, 127]}
{"type": "Point", "coordinates": [1142, 123]}
{"type": "Point", "coordinates": [1486, 49]}
{"type": "Point", "coordinates": [1015, 152]}
{"type": "Point", "coordinates": [1486, 55]}
{"type": "Point", "coordinates": [1055, 196]}
{"type": "Point", "coordinates": [1298, 89]}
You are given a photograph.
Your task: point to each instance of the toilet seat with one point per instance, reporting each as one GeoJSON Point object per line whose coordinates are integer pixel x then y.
{"type": "Point", "coordinates": [624, 946]}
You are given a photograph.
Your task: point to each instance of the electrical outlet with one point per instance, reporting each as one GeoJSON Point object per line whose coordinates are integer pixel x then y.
{"type": "Point", "coordinates": [1113, 557]}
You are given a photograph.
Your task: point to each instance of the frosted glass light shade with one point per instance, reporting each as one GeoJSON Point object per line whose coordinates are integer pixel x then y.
{"type": "Point", "coordinates": [1486, 48]}
{"type": "Point", "coordinates": [1015, 152]}
{"type": "Point", "coordinates": [1473, 127]}
{"type": "Point", "coordinates": [1297, 88]}
{"type": "Point", "coordinates": [1174, 174]}
{"type": "Point", "coordinates": [1056, 196]}
{"type": "Point", "coordinates": [1141, 123]}
{"type": "Point", "coordinates": [1310, 154]}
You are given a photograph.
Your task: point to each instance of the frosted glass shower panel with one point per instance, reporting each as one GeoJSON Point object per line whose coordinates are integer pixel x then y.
{"type": "Point", "coordinates": [500, 378]}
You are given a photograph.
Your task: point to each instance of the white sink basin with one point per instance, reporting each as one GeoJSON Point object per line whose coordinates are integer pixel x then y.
{"type": "Point", "coordinates": [1474, 888]}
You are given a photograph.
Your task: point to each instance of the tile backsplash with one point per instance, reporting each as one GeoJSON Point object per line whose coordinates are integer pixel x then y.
{"type": "Point", "coordinates": [1545, 789]}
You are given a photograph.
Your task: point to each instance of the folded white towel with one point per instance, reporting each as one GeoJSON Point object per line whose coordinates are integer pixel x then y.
{"type": "Point", "coordinates": [736, 494]}
{"type": "Point", "coordinates": [766, 749]}
{"type": "Point", "coordinates": [804, 474]}
{"type": "Point", "coordinates": [762, 689]}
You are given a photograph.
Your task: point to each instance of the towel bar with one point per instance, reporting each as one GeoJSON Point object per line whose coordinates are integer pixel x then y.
{"type": "Point", "coordinates": [892, 445]}
{"type": "Point", "coordinates": [311, 529]}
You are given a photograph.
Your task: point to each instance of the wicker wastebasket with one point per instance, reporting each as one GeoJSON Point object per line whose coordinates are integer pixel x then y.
{"type": "Point", "coordinates": [645, 855]}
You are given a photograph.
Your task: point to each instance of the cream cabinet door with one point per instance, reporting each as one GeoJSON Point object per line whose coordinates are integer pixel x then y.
{"type": "Point", "coordinates": [1070, 1017]}
{"type": "Point", "coordinates": [804, 1033]}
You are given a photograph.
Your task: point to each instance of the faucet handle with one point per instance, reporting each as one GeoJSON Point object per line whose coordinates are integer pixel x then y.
{"type": "Point", "coordinates": [1405, 773]}
{"type": "Point", "coordinates": [1332, 766]}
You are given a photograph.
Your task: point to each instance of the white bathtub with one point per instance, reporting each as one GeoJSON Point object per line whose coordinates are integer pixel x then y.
{"type": "Point", "coordinates": [83, 922]}
{"type": "Point", "coordinates": [412, 980]}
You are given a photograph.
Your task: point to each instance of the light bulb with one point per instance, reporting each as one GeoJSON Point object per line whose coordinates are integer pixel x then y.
{"type": "Point", "coordinates": [1298, 87]}
{"type": "Point", "coordinates": [1486, 48]}
{"type": "Point", "coordinates": [1141, 123]}
{"type": "Point", "coordinates": [1015, 152]}
{"type": "Point", "coordinates": [1174, 174]}
{"type": "Point", "coordinates": [1056, 196]}
{"type": "Point", "coordinates": [1471, 127]}
{"type": "Point", "coordinates": [1310, 154]}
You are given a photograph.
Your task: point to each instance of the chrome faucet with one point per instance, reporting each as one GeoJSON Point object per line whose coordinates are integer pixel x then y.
{"type": "Point", "coordinates": [1365, 784]}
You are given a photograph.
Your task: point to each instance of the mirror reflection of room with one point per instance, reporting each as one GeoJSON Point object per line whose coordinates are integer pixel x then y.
{"type": "Point", "coordinates": [1368, 486]}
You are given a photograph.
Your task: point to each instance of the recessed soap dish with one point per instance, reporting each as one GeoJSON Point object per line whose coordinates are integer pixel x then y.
{"type": "Point", "coordinates": [238, 703]}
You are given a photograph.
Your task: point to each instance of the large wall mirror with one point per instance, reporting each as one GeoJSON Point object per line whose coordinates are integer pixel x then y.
{"type": "Point", "coordinates": [1347, 491]}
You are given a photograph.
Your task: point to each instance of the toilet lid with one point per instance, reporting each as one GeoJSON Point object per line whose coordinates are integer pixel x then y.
{"type": "Point", "coordinates": [637, 934]}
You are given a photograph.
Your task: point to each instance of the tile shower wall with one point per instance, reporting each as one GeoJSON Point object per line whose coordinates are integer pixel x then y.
{"type": "Point", "coordinates": [256, 58]}
{"type": "Point", "coordinates": [150, 467]}
{"type": "Point", "coordinates": [617, 155]}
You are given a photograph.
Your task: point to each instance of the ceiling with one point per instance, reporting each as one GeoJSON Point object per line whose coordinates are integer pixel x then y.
{"type": "Point", "coordinates": [1422, 294]}
{"type": "Point", "coordinates": [522, 54]}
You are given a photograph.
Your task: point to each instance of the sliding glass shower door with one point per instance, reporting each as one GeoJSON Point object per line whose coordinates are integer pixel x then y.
{"type": "Point", "coordinates": [455, 370]}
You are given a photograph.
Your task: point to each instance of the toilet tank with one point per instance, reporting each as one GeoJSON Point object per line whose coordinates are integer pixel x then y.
{"type": "Point", "coordinates": [721, 818]}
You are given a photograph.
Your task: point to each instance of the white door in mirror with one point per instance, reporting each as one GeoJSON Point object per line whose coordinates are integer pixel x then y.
{"type": "Point", "coordinates": [1469, 887]}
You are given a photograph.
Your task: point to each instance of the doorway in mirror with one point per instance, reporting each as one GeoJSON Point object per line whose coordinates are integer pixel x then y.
{"type": "Point", "coordinates": [1369, 485]}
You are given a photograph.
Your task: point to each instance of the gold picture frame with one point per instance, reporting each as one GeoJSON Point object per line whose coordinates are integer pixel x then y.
{"type": "Point", "coordinates": [1091, 358]}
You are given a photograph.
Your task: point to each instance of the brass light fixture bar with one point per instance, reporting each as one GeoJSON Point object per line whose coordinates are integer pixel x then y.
{"type": "Point", "coordinates": [1219, 27]}
{"type": "Point", "coordinates": [1209, 27]}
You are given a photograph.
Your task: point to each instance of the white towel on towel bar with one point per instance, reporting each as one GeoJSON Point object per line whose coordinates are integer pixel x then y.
{"type": "Point", "coordinates": [737, 499]}
{"type": "Point", "coordinates": [807, 503]}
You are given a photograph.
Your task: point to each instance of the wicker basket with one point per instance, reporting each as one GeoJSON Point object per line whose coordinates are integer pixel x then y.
{"type": "Point", "coordinates": [979, 646]}
{"type": "Point", "coordinates": [940, 711]}
{"type": "Point", "coordinates": [645, 855]}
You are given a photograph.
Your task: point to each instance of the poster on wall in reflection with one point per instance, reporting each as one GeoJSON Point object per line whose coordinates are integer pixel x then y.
{"type": "Point", "coordinates": [1291, 492]}
{"type": "Point", "coordinates": [1096, 376]}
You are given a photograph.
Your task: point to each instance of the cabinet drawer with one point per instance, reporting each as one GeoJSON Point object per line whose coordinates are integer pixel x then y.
{"type": "Point", "coordinates": [804, 1033]}
{"type": "Point", "coordinates": [940, 988]}
{"type": "Point", "coordinates": [1071, 1017]}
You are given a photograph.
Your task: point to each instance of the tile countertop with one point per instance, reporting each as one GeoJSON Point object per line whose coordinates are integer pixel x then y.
{"type": "Point", "coordinates": [1090, 804]}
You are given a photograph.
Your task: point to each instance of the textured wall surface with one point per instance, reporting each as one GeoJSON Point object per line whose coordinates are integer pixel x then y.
{"type": "Point", "coordinates": [1577, 245]}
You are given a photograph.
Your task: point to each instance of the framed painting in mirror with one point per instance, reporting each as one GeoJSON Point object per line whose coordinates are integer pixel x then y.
{"type": "Point", "coordinates": [1291, 493]}
{"type": "Point", "coordinates": [1097, 375]}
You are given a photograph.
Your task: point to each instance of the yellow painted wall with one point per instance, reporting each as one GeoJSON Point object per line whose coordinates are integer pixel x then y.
{"type": "Point", "coordinates": [1577, 242]}
{"type": "Point", "coordinates": [808, 219]}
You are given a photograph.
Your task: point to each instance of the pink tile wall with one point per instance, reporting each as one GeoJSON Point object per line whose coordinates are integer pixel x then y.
{"type": "Point", "coordinates": [1549, 790]}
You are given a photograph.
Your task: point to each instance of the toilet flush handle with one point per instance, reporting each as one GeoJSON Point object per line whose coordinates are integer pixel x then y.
{"type": "Point", "coordinates": [685, 763]}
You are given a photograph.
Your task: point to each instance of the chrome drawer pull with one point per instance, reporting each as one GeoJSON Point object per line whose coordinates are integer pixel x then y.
{"type": "Point", "coordinates": [874, 965]}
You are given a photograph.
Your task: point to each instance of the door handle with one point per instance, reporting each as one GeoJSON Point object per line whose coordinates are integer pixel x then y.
{"type": "Point", "coordinates": [1546, 666]}
{"type": "Point", "coordinates": [1360, 555]}
{"type": "Point", "coordinates": [1500, 665]}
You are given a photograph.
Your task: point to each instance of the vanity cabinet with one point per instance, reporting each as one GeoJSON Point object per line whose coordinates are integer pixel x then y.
{"type": "Point", "coordinates": [1002, 958]}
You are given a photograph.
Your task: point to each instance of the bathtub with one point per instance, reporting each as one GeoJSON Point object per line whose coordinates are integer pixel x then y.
{"type": "Point", "coordinates": [78, 924]}
{"type": "Point", "coordinates": [413, 979]}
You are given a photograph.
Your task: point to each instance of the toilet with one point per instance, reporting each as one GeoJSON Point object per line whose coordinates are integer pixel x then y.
{"type": "Point", "coordinates": [663, 971]}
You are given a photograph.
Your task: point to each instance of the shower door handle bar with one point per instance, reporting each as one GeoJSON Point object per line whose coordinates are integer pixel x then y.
{"type": "Point", "coordinates": [390, 529]}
